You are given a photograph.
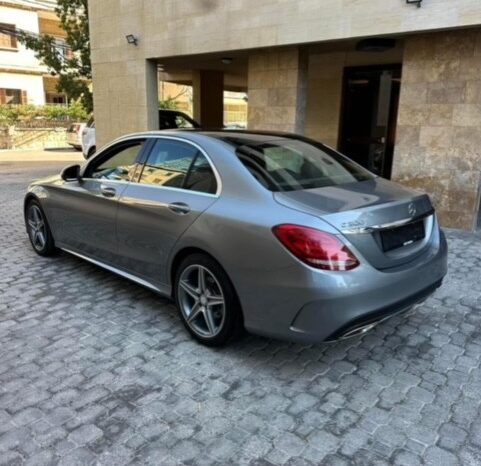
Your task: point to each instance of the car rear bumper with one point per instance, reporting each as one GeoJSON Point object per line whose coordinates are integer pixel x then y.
{"type": "Point", "coordinates": [74, 140]}
{"type": "Point", "coordinates": [316, 306]}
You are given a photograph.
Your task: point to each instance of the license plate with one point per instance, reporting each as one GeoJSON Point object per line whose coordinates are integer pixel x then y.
{"type": "Point", "coordinates": [402, 236]}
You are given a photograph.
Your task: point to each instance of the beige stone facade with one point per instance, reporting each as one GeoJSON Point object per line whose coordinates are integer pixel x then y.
{"type": "Point", "coordinates": [292, 58]}
{"type": "Point", "coordinates": [439, 138]}
{"type": "Point", "coordinates": [277, 83]}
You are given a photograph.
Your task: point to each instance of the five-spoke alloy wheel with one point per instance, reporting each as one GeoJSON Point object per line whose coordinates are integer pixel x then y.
{"type": "Point", "coordinates": [206, 300]}
{"type": "Point", "coordinates": [38, 229]}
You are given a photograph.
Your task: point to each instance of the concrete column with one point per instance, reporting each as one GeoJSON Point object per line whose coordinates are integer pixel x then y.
{"type": "Point", "coordinates": [277, 88]}
{"type": "Point", "coordinates": [438, 138]}
{"type": "Point", "coordinates": [125, 98]}
{"type": "Point", "coordinates": [208, 96]}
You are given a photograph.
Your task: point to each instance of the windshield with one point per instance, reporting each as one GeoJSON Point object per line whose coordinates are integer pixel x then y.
{"type": "Point", "coordinates": [293, 164]}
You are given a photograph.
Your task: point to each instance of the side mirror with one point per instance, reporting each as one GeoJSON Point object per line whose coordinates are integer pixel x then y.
{"type": "Point", "coordinates": [71, 173]}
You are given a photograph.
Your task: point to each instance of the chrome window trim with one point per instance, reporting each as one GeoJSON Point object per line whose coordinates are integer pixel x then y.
{"type": "Point", "coordinates": [169, 188]}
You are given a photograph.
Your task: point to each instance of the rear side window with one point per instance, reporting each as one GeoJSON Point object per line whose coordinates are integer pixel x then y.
{"type": "Point", "coordinates": [293, 164]}
{"type": "Point", "coordinates": [201, 178]}
{"type": "Point", "coordinates": [178, 165]}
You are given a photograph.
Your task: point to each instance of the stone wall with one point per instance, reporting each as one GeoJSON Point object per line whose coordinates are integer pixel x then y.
{"type": "Point", "coordinates": [277, 82]}
{"type": "Point", "coordinates": [438, 147]}
{"type": "Point", "coordinates": [33, 139]}
{"type": "Point", "coordinates": [324, 88]}
{"type": "Point", "coordinates": [173, 28]}
{"type": "Point", "coordinates": [182, 27]}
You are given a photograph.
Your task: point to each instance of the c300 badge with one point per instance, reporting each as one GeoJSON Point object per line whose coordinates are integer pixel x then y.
{"type": "Point", "coordinates": [355, 224]}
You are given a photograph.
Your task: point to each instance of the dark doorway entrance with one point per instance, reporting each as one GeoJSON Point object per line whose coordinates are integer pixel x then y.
{"type": "Point", "coordinates": [369, 115]}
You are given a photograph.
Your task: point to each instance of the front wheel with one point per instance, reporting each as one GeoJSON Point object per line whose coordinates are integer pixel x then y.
{"type": "Point", "coordinates": [38, 230]}
{"type": "Point", "coordinates": [206, 300]}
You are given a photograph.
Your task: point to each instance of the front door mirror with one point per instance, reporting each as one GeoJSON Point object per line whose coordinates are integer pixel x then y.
{"type": "Point", "coordinates": [71, 173]}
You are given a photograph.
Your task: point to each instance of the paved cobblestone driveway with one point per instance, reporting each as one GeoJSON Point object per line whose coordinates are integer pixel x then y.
{"type": "Point", "coordinates": [96, 370]}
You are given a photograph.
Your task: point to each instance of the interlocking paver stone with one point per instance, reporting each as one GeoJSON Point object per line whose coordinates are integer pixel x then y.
{"type": "Point", "coordinates": [95, 370]}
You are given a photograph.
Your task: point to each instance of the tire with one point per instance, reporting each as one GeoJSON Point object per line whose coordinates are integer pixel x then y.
{"type": "Point", "coordinates": [208, 307]}
{"type": "Point", "coordinates": [38, 229]}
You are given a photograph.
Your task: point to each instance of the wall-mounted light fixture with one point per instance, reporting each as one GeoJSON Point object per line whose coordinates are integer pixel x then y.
{"type": "Point", "coordinates": [227, 60]}
{"type": "Point", "coordinates": [414, 2]}
{"type": "Point", "coordinates": [132, 40]}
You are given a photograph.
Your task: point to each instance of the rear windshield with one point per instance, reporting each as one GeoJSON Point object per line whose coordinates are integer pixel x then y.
{"type": "Point", "coordinates": [293, 164]}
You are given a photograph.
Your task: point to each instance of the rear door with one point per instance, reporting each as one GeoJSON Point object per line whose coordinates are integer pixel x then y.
{"type": "Point", "coordinates": [177, 184]}
{"type": "Point", "coordinates": [85, 211]}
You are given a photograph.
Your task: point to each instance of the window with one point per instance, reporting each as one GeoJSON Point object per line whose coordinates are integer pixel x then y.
{"type": "Point", "coordinates": [63, 50]}
{"type": "Point", "coordinates": [201, 177]}
{"type": "Point", "coordinates": [294, 164]}
{"type": "Point", "coordinates": [120, 166]}
{"type": "Point", "coordinates": [179, 165]}
{"type": "Point", "coordinates": [8, 39]}
{"type": "Point", "coordinates": [169, 119]}
{"type": "Point", "coordinates": [12, 96]}
{"type": "Point", "coordinates": [56, 99]}
{"type": "Point", "coordinates": [182, 122]}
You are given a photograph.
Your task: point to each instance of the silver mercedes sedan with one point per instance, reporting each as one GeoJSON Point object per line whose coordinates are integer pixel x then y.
{"type": "Point", "coordinates": [269, 232]}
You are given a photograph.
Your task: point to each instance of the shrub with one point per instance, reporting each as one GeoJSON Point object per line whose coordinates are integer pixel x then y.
{"type": "Point", "coordinates": [10, 114]}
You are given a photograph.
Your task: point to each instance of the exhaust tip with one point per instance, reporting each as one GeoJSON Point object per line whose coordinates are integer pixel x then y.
{"type": "Point", "coordinates": [361, 330]}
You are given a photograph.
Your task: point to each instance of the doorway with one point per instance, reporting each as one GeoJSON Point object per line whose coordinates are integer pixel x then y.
{"type": "Point", "coordinates": [369, 116]}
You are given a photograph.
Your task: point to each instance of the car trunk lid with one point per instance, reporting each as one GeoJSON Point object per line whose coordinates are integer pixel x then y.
{"type": "Point", "coordinates": [388, 224]}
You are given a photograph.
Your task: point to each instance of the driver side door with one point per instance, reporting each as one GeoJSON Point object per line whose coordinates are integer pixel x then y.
{"type": "Point", "coordinates": [86, 209]}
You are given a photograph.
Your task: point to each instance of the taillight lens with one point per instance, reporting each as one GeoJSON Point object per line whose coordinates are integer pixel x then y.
{"type": "Point", "coordinates": [316, 248]}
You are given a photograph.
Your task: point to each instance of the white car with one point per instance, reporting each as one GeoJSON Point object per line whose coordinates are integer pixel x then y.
{"type": "Point", "coordinates": [88, 139]}
{"type": "Point", "coordinates": [74, 135]}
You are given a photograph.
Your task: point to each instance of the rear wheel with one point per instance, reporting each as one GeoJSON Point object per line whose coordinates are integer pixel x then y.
{"type": "Point", "coordinates": [206, 300]}
{"type": "Point", "coordinates": [38, 229]}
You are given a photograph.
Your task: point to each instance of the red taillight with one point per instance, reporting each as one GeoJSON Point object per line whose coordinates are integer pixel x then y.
{"type": "Point", "coordinates": [316, 248]}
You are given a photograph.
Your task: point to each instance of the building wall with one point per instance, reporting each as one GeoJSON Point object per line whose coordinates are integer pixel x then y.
{"type": "Point", "coordinates": [49, 24]}
{"type": "Point", "coordinates": [172, 28]}
{"type": "Point", "coordinates": [32, 84]}
{"type": "Point", "coordinates": [325, 87]}
{"type": "Point", "coordinates": [438, 135]}
{"type": "Point", "coordinates": [23, 59]}
{"type": "Point", "coordinates": [19, 69]}
{"type": "Point", "coordinates": [277, 82]}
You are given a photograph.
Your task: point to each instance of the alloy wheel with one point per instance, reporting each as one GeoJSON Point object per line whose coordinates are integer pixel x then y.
{"type": "Point", "coordinates": [37, 228]}
{"type": "Point", "coordinates": [202, 301]}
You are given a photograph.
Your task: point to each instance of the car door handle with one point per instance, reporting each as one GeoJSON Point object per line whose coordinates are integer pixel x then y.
{"type": "Point", "coordinates": [179, 208]}
{"type": "Point", "coordinates": [107, 191]}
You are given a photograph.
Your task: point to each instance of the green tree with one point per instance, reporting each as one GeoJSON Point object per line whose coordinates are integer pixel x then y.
{"type": "Point", "coordinates": [70, 60]}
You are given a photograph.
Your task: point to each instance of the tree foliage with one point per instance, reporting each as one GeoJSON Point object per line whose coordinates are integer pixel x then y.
{"type": "Point", "coordinates": [69, 60]}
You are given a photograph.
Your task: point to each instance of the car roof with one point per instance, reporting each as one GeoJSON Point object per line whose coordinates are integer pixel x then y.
{"type": "Point", "coordinates": [233, 137]}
